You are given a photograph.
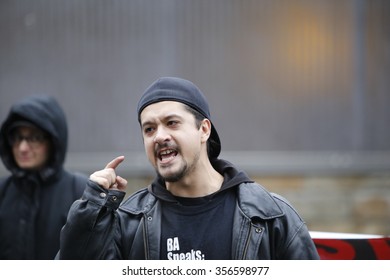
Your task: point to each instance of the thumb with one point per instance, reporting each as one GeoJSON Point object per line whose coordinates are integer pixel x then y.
{"type": "Point", "coordinates": [120, 184]}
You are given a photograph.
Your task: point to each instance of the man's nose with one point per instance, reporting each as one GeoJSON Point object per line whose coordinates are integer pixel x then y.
{"type": "Point", "coordinates": [161, 136]}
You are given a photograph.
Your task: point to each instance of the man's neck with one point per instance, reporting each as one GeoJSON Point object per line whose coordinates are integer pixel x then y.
{"type": "Point", "coordinates": [201, 182]}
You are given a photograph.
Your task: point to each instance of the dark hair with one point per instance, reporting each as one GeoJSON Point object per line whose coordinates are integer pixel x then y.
{"type": "Point", "coordinates": [198, 121]}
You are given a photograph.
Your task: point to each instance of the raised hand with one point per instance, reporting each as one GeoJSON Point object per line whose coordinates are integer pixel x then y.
{"type": "Point", "coordinates": [107, 177]}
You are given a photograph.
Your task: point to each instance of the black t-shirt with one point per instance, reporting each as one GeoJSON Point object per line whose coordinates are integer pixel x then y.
{"type": "Point", "coordinates": [198, 228]}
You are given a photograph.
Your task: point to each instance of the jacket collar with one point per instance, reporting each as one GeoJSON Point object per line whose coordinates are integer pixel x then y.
{"type": "Point", "coordinates": [253, 200]}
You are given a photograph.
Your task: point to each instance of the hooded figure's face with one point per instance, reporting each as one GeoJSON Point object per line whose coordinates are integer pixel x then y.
{"type": "Point", "coordinates": [30, 147]}
{"type": "Point", "coordinates": [38, 111]}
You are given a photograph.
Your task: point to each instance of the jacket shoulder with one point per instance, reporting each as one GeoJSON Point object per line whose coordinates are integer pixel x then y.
{"type": "Point", "coordinates": [73, 183]}
{"type": "Point", "coordinates": [4, 181]}
{"type": "Point", "coordinates": [80, 179]}
{"type": "Point", "coordinates": [256, 201]}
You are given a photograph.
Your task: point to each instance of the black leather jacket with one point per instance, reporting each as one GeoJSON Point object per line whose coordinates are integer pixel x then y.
{"type": "Point", "coordinates": [98, 227]}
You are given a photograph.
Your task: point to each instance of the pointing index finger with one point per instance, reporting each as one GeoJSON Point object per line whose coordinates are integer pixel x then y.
{"type": "Point", "coordinates": [115, 162]}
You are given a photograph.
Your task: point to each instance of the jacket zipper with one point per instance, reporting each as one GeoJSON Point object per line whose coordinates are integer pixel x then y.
{"type": "Point", "coordinates": [145, 239]}
{"type": "Point", "coordinates": [247, 241]}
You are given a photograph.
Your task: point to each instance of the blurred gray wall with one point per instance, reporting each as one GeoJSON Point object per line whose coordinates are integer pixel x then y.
{"type": "Point", "coordinates": [293, 85]}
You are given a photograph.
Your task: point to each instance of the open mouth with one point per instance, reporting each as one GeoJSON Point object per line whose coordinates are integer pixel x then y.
{"type": "Point", "coordinates": [166, 156]}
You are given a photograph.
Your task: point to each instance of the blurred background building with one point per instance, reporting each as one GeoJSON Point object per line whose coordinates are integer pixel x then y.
{"type": "Point", "coordinates": [299, 90]}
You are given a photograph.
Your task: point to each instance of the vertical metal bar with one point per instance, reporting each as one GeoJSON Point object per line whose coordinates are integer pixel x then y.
{"type": "Point", "coordinates": [359, 108]}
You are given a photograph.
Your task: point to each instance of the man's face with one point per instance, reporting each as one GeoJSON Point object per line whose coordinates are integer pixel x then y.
{"type": "Point", "coordinates": [30, 147]}
{"type": "Point", "coordinates": [172, 141]}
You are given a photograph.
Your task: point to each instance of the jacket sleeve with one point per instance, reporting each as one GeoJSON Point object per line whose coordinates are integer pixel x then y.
{"type": "Point", "coordinates": [92, 226]}
{"type": "Point", "coordinates": [301, 246]}
{"type": "Point", "coordinates": [295, 237]}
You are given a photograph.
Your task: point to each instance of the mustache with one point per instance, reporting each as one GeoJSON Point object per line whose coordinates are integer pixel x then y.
{"type": "Point", "coordinates": [166, 145]}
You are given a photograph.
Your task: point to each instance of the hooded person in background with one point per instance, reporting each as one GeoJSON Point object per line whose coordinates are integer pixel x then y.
{"type": "Point", "coordinates": [36, 196]}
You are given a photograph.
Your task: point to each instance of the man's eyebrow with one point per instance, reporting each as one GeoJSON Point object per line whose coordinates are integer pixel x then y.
{"type": "Point", "coordinates": [144, 124]}
{"type": "Point", "coordinates": [173, 115]}
{"type": "Point", "coordinates": [164, 118]}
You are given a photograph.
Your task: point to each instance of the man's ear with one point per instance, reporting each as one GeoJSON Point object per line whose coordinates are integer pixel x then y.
{"type": "Point", "coordinates": [206, 129]}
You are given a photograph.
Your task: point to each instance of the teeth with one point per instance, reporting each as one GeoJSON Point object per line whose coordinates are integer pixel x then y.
{"type": "Point", "coordinates": [166, 152]}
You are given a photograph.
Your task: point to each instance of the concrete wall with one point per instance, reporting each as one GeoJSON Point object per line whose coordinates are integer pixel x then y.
{"type": "Point", "coordinates": [350, 204]}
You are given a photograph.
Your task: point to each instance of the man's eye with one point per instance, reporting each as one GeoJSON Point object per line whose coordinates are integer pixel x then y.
{"type": "Point", "coordinates": [148, 130]}
{"type": "Point", "coordinates": [172, 123]}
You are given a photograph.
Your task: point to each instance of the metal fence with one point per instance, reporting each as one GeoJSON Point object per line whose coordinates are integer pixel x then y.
{"type": "Point", "coordinates": [296, 77]}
